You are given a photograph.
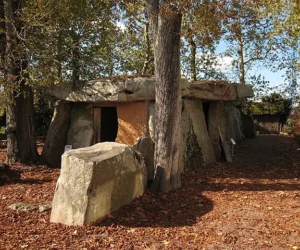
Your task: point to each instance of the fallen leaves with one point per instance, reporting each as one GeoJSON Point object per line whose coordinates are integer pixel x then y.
{"type": "Point", "coordinates": [252, 203]}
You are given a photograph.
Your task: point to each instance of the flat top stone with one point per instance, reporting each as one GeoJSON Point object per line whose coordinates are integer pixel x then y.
{"type": "Point", "coordinates": [97, 152]}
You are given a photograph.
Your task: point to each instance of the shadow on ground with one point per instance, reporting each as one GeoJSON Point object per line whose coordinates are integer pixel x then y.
{"type": "Point", "coordinates": [267, 163]}
{"type": "Point", "coordinates": [183, 207]}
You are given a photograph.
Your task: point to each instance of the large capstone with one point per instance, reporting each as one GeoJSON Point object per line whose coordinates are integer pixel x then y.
{"type": "Point", "coordinates": [95, 181]}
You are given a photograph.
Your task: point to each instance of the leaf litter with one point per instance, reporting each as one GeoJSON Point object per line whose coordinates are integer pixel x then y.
{"type": "Point", "coordinates": [252, 203]}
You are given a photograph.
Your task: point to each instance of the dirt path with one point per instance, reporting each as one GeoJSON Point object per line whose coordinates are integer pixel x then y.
{"type": "Point", "coordinates": [252, 203]}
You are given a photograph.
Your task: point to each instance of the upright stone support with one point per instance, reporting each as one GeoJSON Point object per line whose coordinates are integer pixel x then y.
{"type": "Point", "coordinates": [234, 121]}
{"type": "Point", "coordinates": [214, 113]}
{"type": "Point", "coordinates": [81, 130]}
{"type": "Point", "coordinates": [197, 147]}
{"type": "Point", "coordinates": [57, 134]}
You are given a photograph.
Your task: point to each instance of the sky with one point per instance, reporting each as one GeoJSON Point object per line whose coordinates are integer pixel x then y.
{"type": "Point", "coordinates": [274, 78]}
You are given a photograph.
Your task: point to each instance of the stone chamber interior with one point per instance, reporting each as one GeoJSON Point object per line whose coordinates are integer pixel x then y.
{"type": "Point", "coordinates": [109, 124]}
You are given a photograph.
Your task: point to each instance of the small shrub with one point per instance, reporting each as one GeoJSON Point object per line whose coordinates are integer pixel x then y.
{"type": "Point", "coordinates": [294, 123]}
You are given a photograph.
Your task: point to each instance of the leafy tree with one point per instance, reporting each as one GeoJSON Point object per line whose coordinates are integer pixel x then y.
{"type": "Point", "coordinates": [273, 104]}
{"type": "Point", "coordinates": [20, 129]}
{"type": "Point", "coordinates": [247, 33]}
{"type": "Point", "coordinates": [201, 31]}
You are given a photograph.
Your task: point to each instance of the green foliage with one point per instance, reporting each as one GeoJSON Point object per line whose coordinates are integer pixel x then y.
{"type": "Point", "coordinates": [294, 124]}
{"type": "Point", "coordinates": [274, 104]}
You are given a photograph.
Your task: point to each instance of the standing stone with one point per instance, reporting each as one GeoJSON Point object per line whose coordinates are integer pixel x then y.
{"type": "Point", "coordinates": [146, 148]}
{"type": "Point", "coordinates": [223, 132]}
{"type": "Point", "coordinates": [234, 122]}
{"type": "Point", "coordinates": [57, 134]}
{"type": "Point", "coordinates": [95, 181]}
{"type": "Point", "coordinates": [197, 146]}
{"type": "Point", "coordinates": [151, 120]}
{"type": "Point", "coordinates": [81, 130]}
{"type": "Point", "coordinates": [214, 113]}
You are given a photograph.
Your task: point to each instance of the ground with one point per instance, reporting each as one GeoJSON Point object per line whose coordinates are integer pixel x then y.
{"type": "Point", "coordinates": [252, 203]}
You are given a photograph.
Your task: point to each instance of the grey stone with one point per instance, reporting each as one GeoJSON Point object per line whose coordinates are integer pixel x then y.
{"type": "Point", "coordinates": [234, 122]}
{"type": "Point", "coordinates": [151, 120]}
{"type": "Point", "coordinates": [95, 181]}
{"type": "Point", "coordinates": [196, 132]}
{"type": "Point", "coordinates": [132, 89]}
{"type": "Point", "coordinates": [57, 134]}
{"type": "Point", "coordinates": [45, 207]}
{"type": "Point", "coordinates": [213, 91]}
{"type": "Point", "coordinates": [145, 146]}
{"type": "Point", "coordinates": [81, 130]}
{"type": "Point", "coordinates": [21, 206]}
{"type": "Point", "coordinates": [244, 91]}
{"type": "Point", "coordinates": [26, 207]}
{"type": "Point", "coordinates": [214, 113]}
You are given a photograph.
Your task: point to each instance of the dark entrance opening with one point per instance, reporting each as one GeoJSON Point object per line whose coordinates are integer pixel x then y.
{"type": "Point", "coordinates": [109, 124]}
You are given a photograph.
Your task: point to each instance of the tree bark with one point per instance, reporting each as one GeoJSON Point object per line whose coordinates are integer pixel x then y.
{"type": "Point", "coordinates": [193, 58]}
{"type": "Point", "coordinates": [2, 36]}
{"type": "Point", "coordinates": [20, 125]}
{"type": "Point", "coordinates": [241, 60]}
{"type": "Point", "coordinates": [166, 33]}
{"type": "Point", "coordinates": [75, 59]}
{"type": "Point", "coordinates": [149, 57]}
{"type": "Point", "coordinates": [26, 133]}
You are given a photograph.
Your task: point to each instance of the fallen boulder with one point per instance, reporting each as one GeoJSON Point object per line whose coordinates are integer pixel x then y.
{"type": "Point", "coordinates": [95, 181]}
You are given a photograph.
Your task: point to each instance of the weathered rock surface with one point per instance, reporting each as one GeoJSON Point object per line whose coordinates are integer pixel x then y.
{"type": "Point", "coordinates": [234, 122]}
{"type": "Point", "coordinates": [107, 90]}
{"type": "Point", "coordinates": [57, 134]}
{"type": "Point", "coordinates": [132, 89]}
{"type": "Point", "coordinates": [151, 120]}
{"type": "Point", "coordinates": [196, 147]}
{"type": "Point", "coordinates": [95, 181]}
{"type": "Point", "coordinates": [81, 130]}
{"type": "Point", "coordinates": [146, 147]}
{"type": "Point", "coordinates": [214, 113]}
{"type": "Point", "coordinates": [213, 91]}
{"type": "Point", "coordinates": [26, 207]}
{"type": "Point", "coordinates": [244, 91]}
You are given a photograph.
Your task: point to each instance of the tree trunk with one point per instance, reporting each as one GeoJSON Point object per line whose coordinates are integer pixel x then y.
{"type": "Point", "coordinates": [149, 57]}
{"type": "Point", "coordinates": [168, 96]}
{"type": "Point", "coordinates": [75, 59]}
{"type": "Point", "coordinates": [2, 37]}
{"type": "Point", "coordinates": [193, 59]}
{"type": "Point", "coordinates": [11, 130]}
{"type": "Point", "coordinates": [26, 133]}
{"type": "Point", "coordinates": [241, 60]}
{"type": "Point", "coordinates": [20, 127]}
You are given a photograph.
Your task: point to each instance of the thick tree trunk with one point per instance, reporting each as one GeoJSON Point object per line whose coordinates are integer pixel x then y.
{"type": "Point", "coordinates": [20, 127]}
{"type": "Point", "coordinates": [241, 60]}
{"type": "Point", "coordinates": [168, 97]}
{"type": "Point", "coordinates": [11, 130]}
{"type": "Point", "coordinates": [10, 74]}
{"type": "Point", "coordinates": [26, 134]}
{"type": "Point", "coordinates": [193, 58]}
